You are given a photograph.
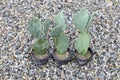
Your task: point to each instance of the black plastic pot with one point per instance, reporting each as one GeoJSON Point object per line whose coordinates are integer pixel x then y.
{"type": "Point", "coordinates": [39, 61]}
{"type": "Point", "coordinates": [61, 61]}
{"type": "Point", "coordinates": [81, 61]}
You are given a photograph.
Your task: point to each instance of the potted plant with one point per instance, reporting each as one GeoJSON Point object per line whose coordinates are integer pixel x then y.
{"type": "Point", "coordinates": [38, 30]}
{"type": "Point", "coordinates": [83, 53]}
{"type": "Point", "coordinates": [61, 53]}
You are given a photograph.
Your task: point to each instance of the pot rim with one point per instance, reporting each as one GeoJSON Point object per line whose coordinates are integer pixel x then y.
{"type": "Point", "coordinates": [47, 56]}
{"type": "Point", "coordinates": [39, 61]}
{"type": "Point", "coordinates": [33, 55]}
{"type": "Point", "coordinates": [67, 58]}
{"type": "Point", "coordinates": [91, 55]}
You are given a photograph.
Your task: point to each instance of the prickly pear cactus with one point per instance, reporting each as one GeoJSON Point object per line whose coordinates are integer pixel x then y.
{"type": "Point", "coordinates": [62, 43]}
{"type": "Point", "coordinates": [82, 19]}
{"type": "Point", "coordinates": [39, 30]}
{"type": "Point", "coordinates": [82, 43]}
{"type": "Point", "coordinates": [41, 47]}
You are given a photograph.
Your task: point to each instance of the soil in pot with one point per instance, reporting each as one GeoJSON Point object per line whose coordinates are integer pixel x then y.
{"type": "Point", "coordinates": [61, 59]}
{"type": "Point", "coordinates": [83, 60]}
{"type": "Point", "coordinates": [62, 56]}
{"type": "Point", "coordinates": [40, 59]}
{"type": "Point", "coordinates": [41, 56]}
{"type": "Point", "coordinates": [85, 57]}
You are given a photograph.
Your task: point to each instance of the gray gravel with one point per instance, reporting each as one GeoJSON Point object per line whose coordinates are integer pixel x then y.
{"type": "Point", "coordinates": [16, 42]}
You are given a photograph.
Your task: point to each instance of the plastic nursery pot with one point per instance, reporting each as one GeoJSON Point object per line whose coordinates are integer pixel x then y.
{"type": "Point", "coordinates": [61, 59]}
{"type": "Point", "coordinates": [83, 60]}
{"type": "Point", "coordinates": [40, 59]}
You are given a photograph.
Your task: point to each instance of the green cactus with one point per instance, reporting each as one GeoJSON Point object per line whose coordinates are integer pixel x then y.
{"type": "Point", "coordinates": [56, 31]}
{"type": "Point", "coordinates": [62, 43]}
{"type": "Point", "coordinates": [41, 46]}
{"type": "Point", "coordinates": [39, 30]}
{"type": "Point", "coordinates": [82, 43]}
{"type": "Point", "coordinates": [82, 19]}
{"type": "Point", "coordinates": [59, 20]}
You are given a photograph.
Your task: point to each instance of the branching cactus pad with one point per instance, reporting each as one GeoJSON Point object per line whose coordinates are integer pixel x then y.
{"type": "Point", "coordinates": [82, 43]}
{"type": "Point", "coordinates": [62, 43]}
{"type": "Point", "coordinates": [46, 24]}
{"type": "Point", "coordinates": [90, 20]}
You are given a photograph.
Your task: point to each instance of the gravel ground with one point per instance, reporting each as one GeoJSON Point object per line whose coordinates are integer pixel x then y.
{"type": "Point", "coordinates": [16, 42]}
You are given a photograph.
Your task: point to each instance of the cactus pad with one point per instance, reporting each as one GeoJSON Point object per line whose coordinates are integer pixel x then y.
{"type": "Point", "coordinates": [82, 43]}
{"type": "Point", "coordinates": [59, 20]}
{"type": "Point", "coordinates": [62, 43]}
{"type": "Point", "coordinates": [41, 46]}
